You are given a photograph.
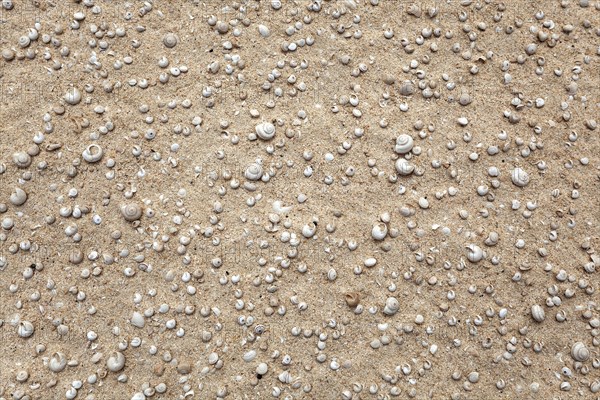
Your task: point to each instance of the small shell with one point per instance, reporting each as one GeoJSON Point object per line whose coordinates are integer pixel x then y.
{"type": "Point", "coordinates": [138, 320]}
{"type": "Point", "coordinates": [22, 159]}
{"type": "Point", "coordinates": [580, 352]}
{"type": "Point", "coordinates": [265, 130]}
{"type": "Point", "coordinates": [309, 230]}
{"type": "Point", "coordinates": [249, 355]}
{"type": "Point", "coordinates": [264, 31]}
{"type": "Point", "coordinates": [170, 40]}
{"type": "Point", "coordinates": [519, 177]}
{"type": "Point", "coordinates": [352, 299]}
{"type": "Point", "coordinates": [404, 167]}
{"type": "Point", "coordinates": [391, 306]}
{"type": "Point", "coordinates": [115, 362]}
{"type": "Point", "coordinates": [253, 172]}
{"type": "Point", "coordinates": [25, 329]}
{"type": "Point", "coordinates": [537, 312]}
{"type": "Point", "coordinates": [73, 96]}
{"type": "Point", "coordinates": [474, 253]}
{"type": "Point", "coordinates": [18, 197]}
{"type": "Point", "coordinates": [404, 144]}
{"type": "Point", "coordinates": [407, 88]}
{"type": "Point", "coordinates": [93, 153]}
{"type": "Point", "coordinates": [58, 362]}
{"type": "Point", "coordinates": [379, 231]}
{"type": "Point", "coordinates": [131, 212]}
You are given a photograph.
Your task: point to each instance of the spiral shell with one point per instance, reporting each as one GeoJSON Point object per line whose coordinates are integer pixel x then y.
{"type": "Point", "coordinates": [25, 329]}
{"type": "Point", "coordinates": [537, 312]}
{"type": "Point", "coordinates": [253, 172]}
{"type": "Point", "coordinates": [115, 362]}
{"type": "Point", "coordinates": [73, 96]}
{"type": "Point", "coordinates": [309, 230]}
{"type": "Point", "coordinates": [265, 130]}
{"type": "Point", "coordinates": [403, 167]}
{"type": "Point", "coordinates": [580, 352]}
{"type": "Point", "coordinates": [18, 197]}
{"type": "Point", "coordinates": [170, 40]}
{"type": "Point", "coordinates": [404, 144]}
{"type": "Point", "coordinates": [391, 306]}
{"type": "Point", "coordinates": [58, 362]}
{"type": "Point", "coordinates": [21, 159]}
{"type": "Point", "coordinates": [379, 231]}
{"type": "Point", "coordinates": [474, 253]}
{"type": "Point", "coordinates": [519, 177]}
{"type": "Point", "coordinates": [131, 212]}
{"type": "Point", "coordinates": [93, 153]}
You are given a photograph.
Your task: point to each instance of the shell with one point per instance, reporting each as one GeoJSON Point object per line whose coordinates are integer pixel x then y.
{"type": "Point", "coordinates": [21, 159]}
{"type": "Point", "coordinates": [93, 153]}
{"type": "Point", "coordinates": [403, 167]}
{"type": "Point", "coordinates": [474, 253]}
{"type": "Point", "coordinates": [519, 177]}
{"type": "Point", "coordinates": [407, 88]}
{"type": "Point", "coordinates": [352, 299]}
{"type": "Point", "coordinates": [18, 197]}
{"type": "Point", "coordinates": [379, 231]}
{"type": "Point", "coordinates": [170, 40]}
{"type": "Point", "coordinates": [265, 130]}
{"type": "Point", "coordinates": [58, 362]}
{"type": "Point", "coordinates": [25, 329]}
{"type": "Point", "coordinates": [115, 362]}
{"type": "Point", "coordinates": [73, 96]}
{"type": "Point", "coordinates": [253, 172]}
{"type": "Point", "coordinates": [537, 312]}
{"type": "Point", "coordinates": [131, 212]}
{"type": "Point", "coordinates": [138, 320]}
{"type": "Point", "coordinates": [404, 144]}
{"type": "Point", "coordinates": [249, 355]}
{"type": "Point", "coordinates": [580, 352]}
{"type": "Point", "coordinates": [309, 230]}
{"type": "Point", "coordinates": [391, 306]}
{"type": "Point", "coordinates": [264, 31]}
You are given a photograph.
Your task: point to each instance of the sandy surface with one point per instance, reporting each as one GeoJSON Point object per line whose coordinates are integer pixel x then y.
{"type": "Point", "coordinates": [228, 273]}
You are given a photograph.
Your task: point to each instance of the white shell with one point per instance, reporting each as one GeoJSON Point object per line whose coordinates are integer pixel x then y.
{"type": "Point", "coordinates": [115, 362]}
{"type": "Point", "coordinates": [404, 144]}
{"type": "Point", "coordinates": [18, 197]}
{"type": "Point", "coordinates": [138, 320]}
{"type": "Point", "coordinates": [249, 355]}
{"type": "Point", "coordinates": [403, 167]}
{"type": "Point", "coordinates": [580, 352]}
{"type": "Point", "coordinates": [21, 159]}
{"type": "Point", "coordinates": [93, 153]}
{"type": "Point", "coordinates": [253, 172]}
{"type": "Point", "coordinates": [474, 253]}
{"type": "Point", "coordinates": [262, 368]}
{"type": "Point", "coordinates": [519, 177]}
{"type": "Point", "coordinates": [379, 231]}
{"type": "Point", "coordinates": [264, 31]}
{"type": "Point", "coordinates": [25, 329]}
{"type": "Point", "coordinates": [131, 212]}
{"type": "Point", "coordinates": [265, 130]}
{"type": "Point", "coordinates": [285, 377]}
{"type": "Point", "coordinates": [537, 312]}
{"type": "Point", "coordinates": [309, 230]}
{"type": "Point", "coordinates": [73, 96]}
{"type": "Point", "coordinates": [58, 362]}
{"type": "Point", "coordinates": [407, 88]}
{"type": "Point", "coordinates": [391, 306]}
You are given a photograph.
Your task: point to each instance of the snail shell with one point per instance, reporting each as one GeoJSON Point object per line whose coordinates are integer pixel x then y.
{"type": "Point", "coordinates": [170, 40]}
{"type": "Point", "coordinates": [58, 362]}
{"type": "Point", "coordinates": [474, 253]}
{"type": "Point", "coordinates": [404, 144]}
{"type": "Point", "coordinates": [18, 197]}
{"type": "Point", "coordinates": [352, 299]}
{"type": "Point", "coordinates": [391, 306]}
{"type": "Point", "coordinates": [73, 96]}
{"type": "Point", "coordinates": [21, 159]}
{"type": "Point", "coordinates": [519, 177]}
{"type": "Point", "coordinates": [403, 167]}
{"type": "Point", "coordinates": [115, 362]}
{"type": "Point", "coordinates": [580, 352]}
{"type": "Point", "coordinates": [131, 212]}
{"type": "Point", "coordinates": [25, 329]}
{"type": "Point", "coordinates": [265, 130]}
{"type": "Point", "coordinates": [253, 172]}
{"type": "Point", "coordinates": [407, 88]}
{"type": "Point", "coordinates": [309, 230]}
{"type": "Point", "coordinates": [93, 153]}
{"type": "Point", "coordinates": [537, 312]}
{"type": "Point", "coordinates": [379, 231]}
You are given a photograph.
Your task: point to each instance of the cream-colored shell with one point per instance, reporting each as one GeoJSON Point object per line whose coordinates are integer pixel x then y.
{"type": "Point", "coordinates": [265, 130]}
{"type": "Point", "coordinates": [580, 352]}
{"type": "Point", "coordinates": [537, 312]}
{"type": "Point", "coordinates": [404, 167]}
{"type": "Point", "coordinates": [404, 144]}
{"type": "Point", "coordinates": [519, 177]}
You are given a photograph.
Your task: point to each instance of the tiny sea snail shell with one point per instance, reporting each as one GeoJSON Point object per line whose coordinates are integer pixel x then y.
{"type": "Point", "coordinates": [58, 362]}
{"type": "Point", "coordinates": [265, 130]}
{"type": "Point", "coordinates": [21, 159]}
{"type": "Point", "coordinates": [253, 172]}
{"type": "Point", "coordinates": [309, 230]}
{"type": "Point", "coordinates": [25, 329]}
{"type": "Point", "coordinates": [403, 167]}
{"type": "Point", "coordinates": [407, 88]}
{"type": "Point", "coordinates": [474, 253]}
{"type": "Point", "coordinates": [131, 212]}
{"type": "Point", "coordinates": [18, 197]}
{"type": "Point", "coordinates": [580, 352]}
{"type": "Point", "coordinates": [73, 96]}
{"type": "Point", "coordinates": [379, 231]}
{"type": "Point", "coordinates": [537, 312]}
{"type": "Point", "coordinates": [391, 306]}
{"type": "Point", "coordinates": [520, 177]}
{"type": "Point", "coordinates": [352, 299]}
{"type": "Point", "coordinates": [170, 40]}
{"type": "Point", "coordinates": [93, 153]}
{"type": "Point", "coordinates": [115, 362]}
{"type": "Point", "coordinates": [404, 144]}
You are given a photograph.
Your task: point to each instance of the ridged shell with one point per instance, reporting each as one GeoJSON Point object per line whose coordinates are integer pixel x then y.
{"type": "Point", "coordinates": [253, 172]}
{"type": "Point", "coordinates": [403, 167]}
{"type": "Point", "coordinates": [519, 177]}
{"type": "Point", "coordinates": [580, 352]}
{"type": "Point", "coordinates": [131, 212]}
{"type": "Point", "coordinates": [404, 144]}
{"type": "Point", "coordinates": [391, 306]}
{"type": "Point", "coordinates": [265, 130]}
{"type": "Point", "coordinates": [537, 312]}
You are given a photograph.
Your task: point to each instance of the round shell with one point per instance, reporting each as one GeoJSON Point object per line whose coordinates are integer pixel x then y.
{"type": "Point", "coordinates": [265, 130]}
{"type": "Point", "coordinates": [403, 167]}
{"type": "Point", "coordinates": [58, 362]}
{"type": "Point", "coordinates": [404, 144]}
{"type": "Point", "coordinates": [537, 312]}
{"type": "Point", "coordinates": [519, 177]}
{"type": "Point", "coordinates": [25, 329]}
{"type": "Point", "coordinates": [115, 362]}
{"type": "Point", "coordinates": [379, 231]}
{"type": "Point", "coordinates": [407, 88]}
{"type": "Point", "coordinates": [18, 197]}
{"type": "Point", "coordinates": [391, 306]}
{"type": "Point", "coordinates": [474, 253]}
{"type": "Point", "coordinates": [131, 212]}
{"type": "Point", "coordinates": [170, 40]}
{"type": "Point", "coordinates": [580, 352]}
{"type": "Point", "coordinates": [93, 153]}
{"type": "Point", "coordinates": [73, 96]}
{"type": "Point", "coordinates": [21, 159]}
{"type": "Point", "coordinates": [352, 299]}
{"type": "Point", "coordinates": [253, 172]}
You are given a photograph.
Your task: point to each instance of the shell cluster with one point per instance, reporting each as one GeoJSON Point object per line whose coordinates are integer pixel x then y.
{"type": "Point", "coordinates": [299, 199]}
